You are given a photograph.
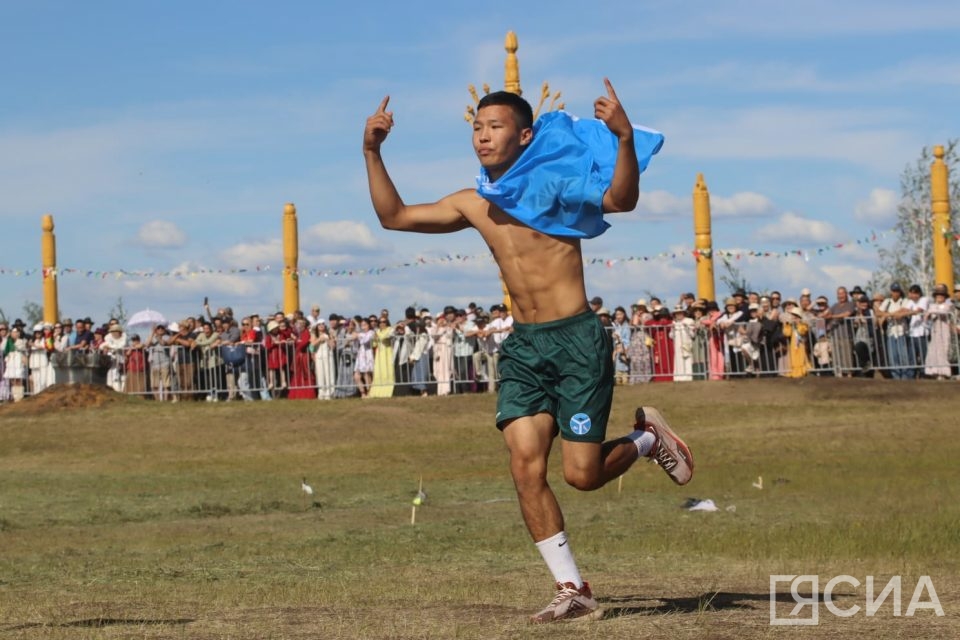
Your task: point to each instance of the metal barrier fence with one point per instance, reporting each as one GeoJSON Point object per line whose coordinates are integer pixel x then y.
{"type": "Point", "coordinates": [674, 351]}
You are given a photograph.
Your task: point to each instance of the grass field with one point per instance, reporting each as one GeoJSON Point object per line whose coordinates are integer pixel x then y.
{"type": "Point", "coordinates": [140, 520]}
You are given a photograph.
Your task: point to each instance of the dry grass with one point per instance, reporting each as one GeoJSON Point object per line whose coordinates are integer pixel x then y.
{"type": "Point", "coordinates": [138, 520]}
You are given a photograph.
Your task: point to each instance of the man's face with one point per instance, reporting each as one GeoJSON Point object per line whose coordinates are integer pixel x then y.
{"type": "Point", "coordinates": [956, 295]}
{"type": "Point", "coordinates": [497, 139]}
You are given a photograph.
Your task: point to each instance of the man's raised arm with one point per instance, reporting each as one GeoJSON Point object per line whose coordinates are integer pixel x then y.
{"type": "Point", "coordinates": [624, 190]}
{"type": "Point", "coordinates": [439, 217]}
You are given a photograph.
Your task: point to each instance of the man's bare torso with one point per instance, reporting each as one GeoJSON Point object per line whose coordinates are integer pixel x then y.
{"type": "Point", "coordinates": [544, 274]}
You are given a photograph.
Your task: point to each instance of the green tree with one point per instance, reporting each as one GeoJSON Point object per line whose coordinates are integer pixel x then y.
{"type": "Point", "coordinates": [732, 276]}
{"type": "Point", "coordinates": [119, 311]}
{"type": "Point", "coordinates": [910, 259]}
{"type": "Point", "coordinates": [32, 313]}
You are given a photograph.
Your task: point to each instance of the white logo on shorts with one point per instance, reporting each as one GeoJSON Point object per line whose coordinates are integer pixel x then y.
{"type": "Point", "coordinates": [580, 424]}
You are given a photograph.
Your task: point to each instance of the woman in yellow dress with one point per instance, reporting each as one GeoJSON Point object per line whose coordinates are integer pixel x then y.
{"type": "Point", "coordinates": [795, 330]}
{"type": "Point", "coordinates": [383, 361]}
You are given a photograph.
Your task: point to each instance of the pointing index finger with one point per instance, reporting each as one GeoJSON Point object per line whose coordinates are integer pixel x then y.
{"type": "Point", "coordinates": [383, 105]}
{"type": "Point", "coordinates": [610, 92]}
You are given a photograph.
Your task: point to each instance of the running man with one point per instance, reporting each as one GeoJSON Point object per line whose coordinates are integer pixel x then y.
{"type": "Point", "coordinates": [556, 368]}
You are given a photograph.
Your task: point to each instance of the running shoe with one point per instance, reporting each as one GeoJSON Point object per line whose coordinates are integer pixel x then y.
{"type": "Point", "coordinates": [670, 452]}
{"type": "Point", "coordinates": [570, 603]}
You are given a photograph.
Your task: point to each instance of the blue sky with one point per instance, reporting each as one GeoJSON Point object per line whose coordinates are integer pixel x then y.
{"type": "Point", "coordinates": [168, 137]}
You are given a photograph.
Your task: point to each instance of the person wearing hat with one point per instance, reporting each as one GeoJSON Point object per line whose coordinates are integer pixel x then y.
{"type": "Point", "coordinates": [732, 323]}
{"type": "Point", "coordinates": [38, 361]}
{"type": "Point", "coordinates": [6, 346]}
{"type": "Point", "coordinates": [322, 342]}
{"type": "Point", "coordinates": [464, 348]}
{"type": "Point", "coordinates": [596, 302]}
{"type": "Point", "coordinates": [893, 316]}
{"type": "Point", "coordinates": [160, 362]}
{"type": "Point", "coordinates": [115, 345]}
{"type": "Point", "coordinates": [135, 367]}
{"type": "Point", "coordinates": [500, 326]}
{"type": "Point", "coordinates": [682, 333]}
{"type": "Point", "coordinates": [795, 330]}
{"type": "Point", "coordinates": [487, 354]}
{"type": "Point", "coordinates": [939, 316]}
{"type": "Point", "coordinates": [864, 337]}
{"type": "Point", "coordinates": [14, 354]}
{"type": "Point", "coordinates": [918, 333]}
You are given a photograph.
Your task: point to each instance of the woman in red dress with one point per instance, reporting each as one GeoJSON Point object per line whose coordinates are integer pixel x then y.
{"type": "Point", "coordinates": [302, 385]}
{"type": "Point", "coordinates": [659, 329]}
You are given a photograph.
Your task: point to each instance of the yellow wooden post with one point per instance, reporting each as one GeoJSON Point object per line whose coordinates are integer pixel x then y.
{"type": "Point", "coordinates": [291, 277]}
{"type": "Point", "coordinates": [511, 83]}
{"type": "Point", "coordinates": [940, 207]}
{"type": "Point", "coordinates": [703, 241]}
{"type": "Point", "coordinates": [511, 68]}
{"type": "Point", "coordinates": [48, 259]}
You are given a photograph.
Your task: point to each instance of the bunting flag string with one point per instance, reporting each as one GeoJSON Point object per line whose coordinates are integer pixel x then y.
{"type": "Point", "coordinates": [609, 262]}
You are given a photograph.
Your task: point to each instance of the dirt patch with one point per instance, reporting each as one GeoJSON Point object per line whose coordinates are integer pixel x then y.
{"type": "Point", "coordinates": [64, 396]}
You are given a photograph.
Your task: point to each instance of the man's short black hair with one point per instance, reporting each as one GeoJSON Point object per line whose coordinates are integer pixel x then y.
{"type": "Point", "coordinates": [522, 111]}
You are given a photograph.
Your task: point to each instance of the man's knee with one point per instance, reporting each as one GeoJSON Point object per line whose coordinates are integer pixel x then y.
{"type": "Point", "coordinates": [582, 478]}
{"type": "Point", "coordinates": [529, 472]}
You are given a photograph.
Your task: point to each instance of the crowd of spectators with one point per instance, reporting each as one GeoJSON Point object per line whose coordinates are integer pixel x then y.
{"type": "Point", "coordinates": [895, 334]}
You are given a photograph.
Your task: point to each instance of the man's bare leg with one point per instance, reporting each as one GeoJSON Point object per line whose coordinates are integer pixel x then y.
{"type": "Point", "coordinates": [529, 440]}
{"type": "Point", "coordinates": [590, 465]}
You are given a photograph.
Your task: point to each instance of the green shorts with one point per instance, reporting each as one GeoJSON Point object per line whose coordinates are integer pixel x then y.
{"type": "Point", "coordinates": [564, 368]}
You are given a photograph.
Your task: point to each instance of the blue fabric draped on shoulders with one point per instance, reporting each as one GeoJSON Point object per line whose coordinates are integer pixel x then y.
{"type": "Point", "coordinates": [556, 186]}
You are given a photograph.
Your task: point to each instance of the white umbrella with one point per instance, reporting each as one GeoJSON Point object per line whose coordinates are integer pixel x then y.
{"type": "Point", "coordinates": [146, 319]}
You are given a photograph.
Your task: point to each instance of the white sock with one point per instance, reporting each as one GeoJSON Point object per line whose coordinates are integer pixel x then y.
{"type": "Point", "coordinates": [559, 558]}
{"type": "Point", "coordinates": [644, 441]}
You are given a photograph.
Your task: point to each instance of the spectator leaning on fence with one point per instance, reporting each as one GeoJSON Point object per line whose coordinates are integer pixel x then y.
{"type": "Point", "coordinates": [939, 316]}
{"type": "Point", "coordinates": [893, 314]}
{"type": "Point", "coordinates": [917, 303]}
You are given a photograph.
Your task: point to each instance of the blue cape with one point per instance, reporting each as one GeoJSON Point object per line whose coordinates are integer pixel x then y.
{"type": "Point", "coordinates": [556, 186]}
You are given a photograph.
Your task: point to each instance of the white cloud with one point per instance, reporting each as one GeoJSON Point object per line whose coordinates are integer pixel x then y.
{"type": "Point", "coordinates": [873, 137]}
{"type": "Point", "coordinates": [165, 292]}
{"type": "Point", "coordinates": [745, 204]}
{"type": "Point", "coordinates": [880, 207]}
{"type": "Point", "coordinates": [161, 234]}
{"type": "Point", "coordinates": [327, 244]}
{"type": "Point", "coordinates": [663, 204]}
{"type": "Point", "coordinates": [254, 254]}
{"type": "Point", "coordinates": [796, 230]}
{"type": "Point", "coordinates": [845, 275]}
{"type": "Point", "coordinates": [341, 236]}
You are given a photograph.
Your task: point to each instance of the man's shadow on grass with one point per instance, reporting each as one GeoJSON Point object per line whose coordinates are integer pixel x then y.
{"type": "Point", "coordinates": [705, 602]}
{"type": "Point", "coordinates": [97, 623]}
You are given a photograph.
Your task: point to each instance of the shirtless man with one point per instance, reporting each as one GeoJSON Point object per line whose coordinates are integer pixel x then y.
{"type": "Point", "coordinates": [556, 369]}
